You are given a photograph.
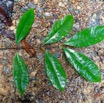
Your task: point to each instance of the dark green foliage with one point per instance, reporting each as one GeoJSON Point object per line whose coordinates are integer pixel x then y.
{"type": "Point", "coordinates": [83, 65]}
{"type": "Point", "coordinates": [87, 37]}
{"type": "Point", "coordinates": [24, 25]}
{"type": "Point", "coordinates": [60, 29]}
{"type": "Point", "coordinates": [20, 74]}
{"type": "Point", "coordinates": [55, 71]}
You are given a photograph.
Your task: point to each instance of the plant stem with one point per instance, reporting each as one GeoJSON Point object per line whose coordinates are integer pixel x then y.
{"type": "Point", "coordinates": [43, 49]}
{"type": "Point", "coordinates": [61, 46]}
{"type": "Point", "coordinates": [16, 48]}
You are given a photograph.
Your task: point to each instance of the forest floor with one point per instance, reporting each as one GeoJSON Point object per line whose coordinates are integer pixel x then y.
{"type": "Point", "coordinates": [87, 13]}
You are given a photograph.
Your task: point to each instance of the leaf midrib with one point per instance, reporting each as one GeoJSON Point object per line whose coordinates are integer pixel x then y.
{"type": "Point", "coordinates": [82, 39]}
{"type": "Point", "coordinates": [24, 26]}
{"type": "Point", "coordinates": [20, 72]}
{"type": "Point", "coordinates": [74, 38]}
{"type": "Point", "coordinates": [60, 28]}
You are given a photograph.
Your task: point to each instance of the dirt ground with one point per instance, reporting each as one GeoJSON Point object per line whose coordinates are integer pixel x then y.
{"type": "Point", "coordinates": [87, 13]}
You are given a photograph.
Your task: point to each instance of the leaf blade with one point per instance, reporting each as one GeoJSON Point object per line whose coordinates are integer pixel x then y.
{"type": "Point", "coordinates": [24, 25]}
{"type": "Point", "coordinates": [20, 74]}
{"type": "Point", "coordinates": [55, 71]}
{"type": "Point", "coordinates": [87, 37]}
{"type": "Point", "coordinates": [60, 29]}
{"type": "Point", "coordinates": [83, 65]}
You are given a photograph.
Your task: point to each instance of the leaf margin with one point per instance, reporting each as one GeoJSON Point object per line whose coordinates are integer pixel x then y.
{"type": "Point", "coordinates": [53, 27]}
{"type": "Point", "coordinates": [17, 56]}
{"type": "Point", "coordinates": [68, 42]}
{"type": "Point", "coordinates": [28, 12]}
{"type": "Point", "coordinates": [100, 76]}
{"type": "Point", "coordinates": [62, 88]}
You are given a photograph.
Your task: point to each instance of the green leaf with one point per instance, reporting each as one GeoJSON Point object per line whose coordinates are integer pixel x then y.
{"type": "Point", "coordinates": [84, 66]}
{"type": "Point", "coordinates": [20, 74]}
{"type": "Point", "coordinates": [87, 37]}
{"type": "Point", "coordinates": [60, 29]}
{"type": "Point", "coordinates": [24, 25]}
{"type": "Point", "coordinates": [55, 71]}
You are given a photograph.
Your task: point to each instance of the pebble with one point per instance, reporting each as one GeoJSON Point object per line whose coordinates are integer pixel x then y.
{"type": "Point", "coordinates": [20, 4]}
{"type": "Point", "coordinates": [77, 26]}
{"type": "Point", "coordinates": [102, 66]}
{"type": "Point", "coordinates": [12, 28]}
{"type": "Point", "coordinates": [40, 10]}
{"type": "Point", "coordinates": [71, 10]}
{"type": "Point", "coordinates": [78, 7]}
{"type": "Point", "coordinates": [101, 52]}
{"type": "Point", "coordinates": [47, 14]}
{"type": "Point", "coordinates": [39, 56]}
{"type": "Point", "coordinates": [8, 43]}
{"type": "Point", "coordinates": [61, 4]}
{"type": "Point", "coordinates": [35, 1]}
{"type": "Point", "coordinates": [33, 74]}
{"type": "Point", "coordinates": [77, 11]}
{"type": "Point", "coordinates": [35, 25]}
{"type": "Point", "coordinates": [95, 19]}
{"type": "Point", "coordinates": [58, 55]}
{"type": "Point", "coordinates": [38, 41]}
{"type": "Point", "coordinates": [6, 70]}
{"type": "Point", "coordinates": [28, 6]}
{"type": "Point", "coordinates": [31, 5]}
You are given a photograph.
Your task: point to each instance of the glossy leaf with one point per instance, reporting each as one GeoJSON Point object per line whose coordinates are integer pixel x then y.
{"type": "Point", "coordinates": [20, 74]}
{"type": "Point", "coordinates": [87, 37]}
{"type": "Point", "coordinates": [24, 25]}
{"type": "Point", "coordinates": [84, 66]}
{"type": "Point", "coordinates": [60, 29]}
{"type": "Point", "coordinates": [55, 71]}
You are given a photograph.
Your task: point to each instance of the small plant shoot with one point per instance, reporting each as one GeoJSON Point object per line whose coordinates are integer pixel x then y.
{"type": "Point", "coordinates": [54, 69]}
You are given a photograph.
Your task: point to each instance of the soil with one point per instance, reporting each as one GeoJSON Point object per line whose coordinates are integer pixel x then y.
{"type": "Point", "coordinates": [87, 13]}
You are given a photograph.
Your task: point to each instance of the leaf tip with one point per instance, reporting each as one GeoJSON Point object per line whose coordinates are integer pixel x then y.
{"type": "Point", "coordinates": [31, 9]}
{"type": "Point", "coordinates": [99, 79]}
{"type": "Point", "coordinates": [61, 90]}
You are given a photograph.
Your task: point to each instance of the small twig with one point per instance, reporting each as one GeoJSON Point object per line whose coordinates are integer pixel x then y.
{"type": "Point", "coordinates": [16, 48]}
{"type": "Point", "coordinates": [43, 49]}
